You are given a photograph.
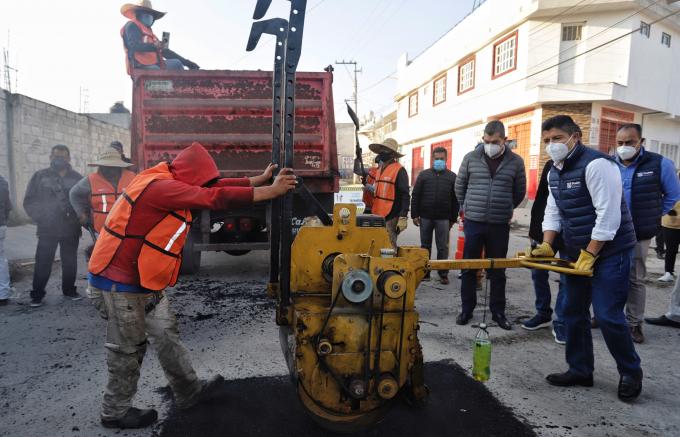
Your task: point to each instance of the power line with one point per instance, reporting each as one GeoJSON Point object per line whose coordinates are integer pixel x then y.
{"type": "Point", "coordinates": [600, 32]}
{"type": "Point", "coordinates": [550, 21]}
{"type": "Point", "coordinates": [363, 43]}
{"type": "Point", "coordinates": [613, 40]}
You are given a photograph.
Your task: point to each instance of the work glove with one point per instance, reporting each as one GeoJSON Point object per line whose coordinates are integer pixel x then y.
{"type": "Point", "coordinates": [585, 261]}
{"type": "Point", "coordinates": [402, 224]}
{"type": "Point", "coordinates": [542, 250]}
{"type": "Point", "coordinates": [190, 65]}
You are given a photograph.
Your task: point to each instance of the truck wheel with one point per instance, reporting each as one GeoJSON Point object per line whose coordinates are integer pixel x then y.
{"type": "Point", "coordinates": [191, 259]}
{"type": "Point", "coordinates": [237, 252]}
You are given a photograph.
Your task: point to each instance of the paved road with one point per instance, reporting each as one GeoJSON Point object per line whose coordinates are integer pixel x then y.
{"type": "Point", "coordinates": [52, 364]}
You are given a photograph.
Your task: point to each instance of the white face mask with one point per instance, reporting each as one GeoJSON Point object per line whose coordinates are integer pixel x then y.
{"type": "Point", "coordinates": [626, 152]}
{"type": "Point", "coordinates": [492, 150]}
{"type": "Point", "coordinates": [557, 151]}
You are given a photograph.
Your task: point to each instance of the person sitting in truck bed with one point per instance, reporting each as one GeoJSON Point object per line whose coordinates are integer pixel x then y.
{"type": "Point", "coordinates": [143, 49]}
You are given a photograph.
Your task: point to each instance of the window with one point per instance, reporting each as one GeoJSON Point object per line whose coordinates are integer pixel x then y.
{"type": "Point", "coordinates": [466, 75]}
{"type": "Point", "coordinates": [439, 86]}
{"type": "Point", "coordinates": [666, 39]}
{"type": "Point", "coordinates": [505, 55]}
{"type": "Point", "coordinates": [670, 151]}
{"type": "Point", "coordinates": [572, 32]}
{"type": "Point", "coordinates": [413, 104]}
{"type": "Point", "coordinates": [645, 28]}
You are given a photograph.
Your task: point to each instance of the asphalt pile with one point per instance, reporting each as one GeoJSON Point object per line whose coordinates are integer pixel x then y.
{"type": "Point", "coordinates": [268, 406]}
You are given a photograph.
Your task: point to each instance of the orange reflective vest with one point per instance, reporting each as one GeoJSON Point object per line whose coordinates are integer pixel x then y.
{"type": "Point", "coordinates": [367, 198]}
{"type": "Point", "coordinates": [385, 189]}
{"type": "Point", "coordinates": [143, 58]}
{"type": "Point", "coordinates": [104, 195]}
{"type": "Point", "coordinates": [161, 253]}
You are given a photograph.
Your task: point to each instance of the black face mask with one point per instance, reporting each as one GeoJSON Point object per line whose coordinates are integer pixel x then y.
{"type": "Point", "coordinates": [385, 156]}
{"type": "Point", "coordinates": [59, 163]}
{"type": "Point", "coordinates": [110, 172]}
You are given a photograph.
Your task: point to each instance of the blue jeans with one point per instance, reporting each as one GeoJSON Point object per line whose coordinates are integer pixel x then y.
{"type": "Point", "coordinates": [170, 64]}
{"type": "Point", "coordinates": [608, 291]}
{"type": "Point", "coordinates": [441, 229]}
{"type": "Point", "coordinates": [493, 238]}
{"type": "Point", "coordinates": [541, 280]}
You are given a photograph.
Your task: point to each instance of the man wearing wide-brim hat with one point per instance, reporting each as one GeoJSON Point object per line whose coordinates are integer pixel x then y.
{"type": "Point", "coordinates": [143, 50]}
{"type": "Point", "coordinates": [391, 194]}
{"type": "Point", "coordinates": [95, 194]}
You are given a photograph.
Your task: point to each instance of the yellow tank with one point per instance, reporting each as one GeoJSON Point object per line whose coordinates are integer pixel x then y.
{"type": "Point", "coordinates": [350, 333]}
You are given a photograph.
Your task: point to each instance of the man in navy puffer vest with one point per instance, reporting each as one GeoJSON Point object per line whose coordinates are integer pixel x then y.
{"type": "Point", "coordinates": [587, 207]}
{"type": "Point", "coordinates": [651, 189]}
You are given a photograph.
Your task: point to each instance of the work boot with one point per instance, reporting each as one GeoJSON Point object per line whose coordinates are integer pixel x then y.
{"type": "Point", "coordinates": [444, 280]}
{"type": "Point", "coordinates": [630, 387]}
{"type": "Point", "coordinates": [211, 390]}
{"type": "Point", "coordinates": [636, 333]}
{"type": "Point", "coordinates": [133, 418]}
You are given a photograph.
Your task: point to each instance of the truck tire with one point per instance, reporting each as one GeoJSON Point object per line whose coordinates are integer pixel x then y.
{"type": "Point", "coordinates": [191, 259]}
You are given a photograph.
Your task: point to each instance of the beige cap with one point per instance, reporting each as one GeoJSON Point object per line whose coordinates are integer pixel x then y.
{"type": "Point", "coordinates": [389, 144]}
{"type": "Point", "coordinates": [130, 9]}
{"type": "Point", "coordinates": [110, 157]}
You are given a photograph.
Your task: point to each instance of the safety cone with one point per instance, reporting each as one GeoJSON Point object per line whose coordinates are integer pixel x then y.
{"type": "Point", "coordinates": [460, 244]}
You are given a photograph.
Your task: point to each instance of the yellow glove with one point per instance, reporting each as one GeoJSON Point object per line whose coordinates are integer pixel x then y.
{"type": "Point", "coordinates": [402, 224]}
{"type": "Point", "coordinates": [585, 261]}
{"type": "Point", "coordinates": [542, 250]}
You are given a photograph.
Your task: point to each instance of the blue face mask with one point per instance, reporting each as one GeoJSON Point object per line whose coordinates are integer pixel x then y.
{"type": "Point", "coordinates": [439, 165]}
{"type": "Point", "coordinates": [146, 19]}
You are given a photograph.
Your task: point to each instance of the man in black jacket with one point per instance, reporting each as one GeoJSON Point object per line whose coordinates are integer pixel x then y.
{"type": "Point", "coordinates": [5, 208]}
{"type": "Point", "coordinates": [434, 206]}
{"type": "Point", "coordinates": [47, 203]}
{"type": "Point", "coordinates": [541, 278]}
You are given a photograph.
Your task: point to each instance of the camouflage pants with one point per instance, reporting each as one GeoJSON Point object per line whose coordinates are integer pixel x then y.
{"type": "Point", "coordinates": [126, 337]}
{"type": "Point", "coordinates": [391, 226]}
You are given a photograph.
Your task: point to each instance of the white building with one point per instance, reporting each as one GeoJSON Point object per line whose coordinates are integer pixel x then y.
{"type": "Point", "coordinates": [603, 62]}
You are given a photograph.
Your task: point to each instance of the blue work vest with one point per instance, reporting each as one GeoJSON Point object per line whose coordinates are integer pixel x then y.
{"type": "Point", "coordinates": [568, 187]}
{"type": "Point", "coordinates": [646, 201]}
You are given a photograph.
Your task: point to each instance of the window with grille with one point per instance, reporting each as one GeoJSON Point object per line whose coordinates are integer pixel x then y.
{"type": "Point", "coordinates": [666, 39]}
{"type": "Point", "coordinates": [645, 28]}
{"type": "Point", "coordinates": [670, 151]}
{"type": "Point", "coordinates": [505, 55]}
{"type": "Point", "coordinates": [466, 76]}
{"type": "Point", "coordinates": [572, 32]}
{"type": "Point", "coordinates": [439, 86]}
{"type": "Point", "coordinates": [413, 104]}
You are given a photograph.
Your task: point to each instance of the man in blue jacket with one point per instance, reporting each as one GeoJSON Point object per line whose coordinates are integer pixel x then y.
{"type": "Point", "coordinates": [587, 207]}
{"type": "Point", "coordinates": [651, 189]}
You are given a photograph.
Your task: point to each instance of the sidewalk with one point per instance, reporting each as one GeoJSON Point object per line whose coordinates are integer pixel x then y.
{"type": "Point", "coordinates": [21, 241]}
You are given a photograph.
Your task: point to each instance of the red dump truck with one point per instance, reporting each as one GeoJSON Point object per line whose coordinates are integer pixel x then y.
{"type": "Point", "coordinates": [230, 113]}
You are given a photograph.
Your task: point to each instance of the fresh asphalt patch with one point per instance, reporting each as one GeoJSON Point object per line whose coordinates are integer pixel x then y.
{"type": "Point", "coordinates": [268, 406]}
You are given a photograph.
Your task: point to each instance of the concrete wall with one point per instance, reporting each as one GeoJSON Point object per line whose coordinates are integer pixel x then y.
{"type": "Point", "coordinates": [34, 127]}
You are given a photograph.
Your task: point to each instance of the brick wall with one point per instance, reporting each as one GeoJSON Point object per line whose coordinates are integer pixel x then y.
{"type": "Point", "coordinates": [36, 127]}
{"type": "Point", "coordinates": [580, 112]}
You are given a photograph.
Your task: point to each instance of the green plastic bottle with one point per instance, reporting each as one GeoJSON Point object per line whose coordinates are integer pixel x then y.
{"type": "Point", "coordinates": [481, 355]}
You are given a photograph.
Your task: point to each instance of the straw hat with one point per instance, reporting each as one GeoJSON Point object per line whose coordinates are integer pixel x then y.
{"type": "Point", "coordinates": [389, 144]}
{"type": "Point", "coordinates": [110, 157]}
{"type": "Point", "coordinates": [130, 9]}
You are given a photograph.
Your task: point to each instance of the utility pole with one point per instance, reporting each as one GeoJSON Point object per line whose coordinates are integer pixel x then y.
{"type": "Point", "coordinates": [355, 98]}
